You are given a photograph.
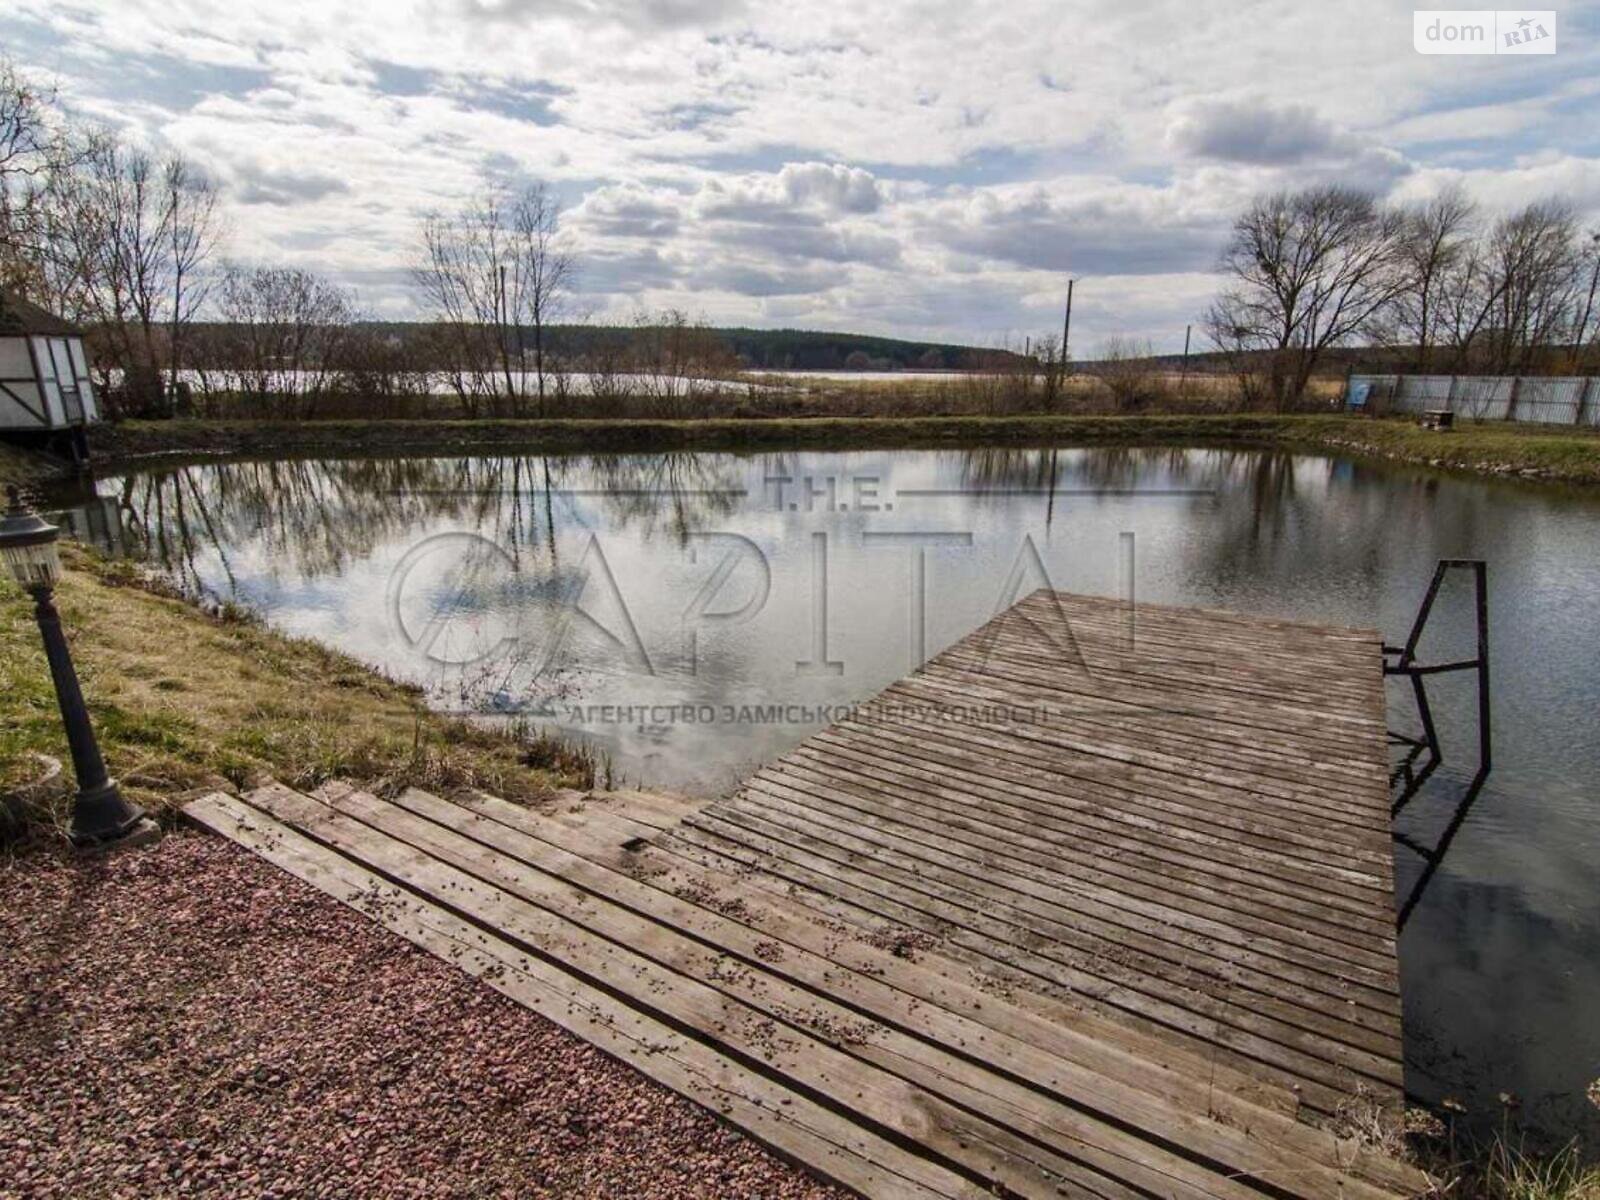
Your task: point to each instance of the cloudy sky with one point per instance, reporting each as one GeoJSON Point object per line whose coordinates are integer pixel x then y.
{"type": "Point", "coordinates": [927, 169]}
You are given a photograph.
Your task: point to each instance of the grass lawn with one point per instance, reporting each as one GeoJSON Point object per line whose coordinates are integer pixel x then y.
{"type": "Point", "coordinates": [181, 698]}
{"type": "Point", "coordinates": [1549, 451]}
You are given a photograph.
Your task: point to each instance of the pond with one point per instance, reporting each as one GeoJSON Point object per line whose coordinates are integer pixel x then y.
{"type": "Point", "coordinates": [690, 615]}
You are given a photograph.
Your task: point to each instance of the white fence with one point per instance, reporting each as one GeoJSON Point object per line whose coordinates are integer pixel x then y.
{"type": "Point", "coordinates": [1550, 400]}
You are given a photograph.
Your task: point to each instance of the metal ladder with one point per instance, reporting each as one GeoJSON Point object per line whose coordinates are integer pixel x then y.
{"type": "Point", "coordinates": [1402, 660]}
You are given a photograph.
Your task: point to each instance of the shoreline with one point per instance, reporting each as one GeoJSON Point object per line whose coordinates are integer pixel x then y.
{"type": "Point", "coordinates": [1505, 451]}
{"type": "Point", "coordinates": [186, 696]}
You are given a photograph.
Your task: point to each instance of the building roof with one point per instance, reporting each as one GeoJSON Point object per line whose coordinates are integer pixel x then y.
{"type": "Point", "coordinates": [19, 316]}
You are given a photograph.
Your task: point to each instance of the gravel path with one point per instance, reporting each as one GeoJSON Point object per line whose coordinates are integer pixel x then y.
{"type": "Point", "coordinates": [188, 1020]}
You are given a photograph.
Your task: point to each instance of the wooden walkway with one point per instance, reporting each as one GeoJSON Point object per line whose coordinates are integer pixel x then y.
{"type": "Point", "coordinates": [1060, 914]}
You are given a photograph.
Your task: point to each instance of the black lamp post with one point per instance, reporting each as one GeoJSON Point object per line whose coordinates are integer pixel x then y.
{"type": "Point", "coordinates": [100, 815]}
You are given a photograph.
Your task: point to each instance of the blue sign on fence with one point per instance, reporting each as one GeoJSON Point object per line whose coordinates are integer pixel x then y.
{"type": "Point", "coordinates": [1359, 390]}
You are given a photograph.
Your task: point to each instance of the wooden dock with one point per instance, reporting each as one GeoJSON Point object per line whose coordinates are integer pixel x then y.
{"type": "Point", "coordinates": [1095, 903]}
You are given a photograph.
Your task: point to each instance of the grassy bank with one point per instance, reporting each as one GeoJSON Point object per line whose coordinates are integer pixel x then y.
{"type": "Point", "coordinates": [139, 438]}
{"type": "Point", "coordinates": [1535, 451]}
{"type": "Point", "coordinates": [183, 699]}
{"type": "Point", "coordinates": [26, 467]}
{"type": "Point", "coordinates": [1538, 451]}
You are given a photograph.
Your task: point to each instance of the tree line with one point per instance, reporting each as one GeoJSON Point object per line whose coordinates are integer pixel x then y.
{"type": "Point", "coordinates": [1432, 286]}
{"type": "Point", "coordinates": [132, 246]}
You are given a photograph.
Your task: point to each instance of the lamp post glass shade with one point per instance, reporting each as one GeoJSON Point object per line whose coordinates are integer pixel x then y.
{"type": "Point", "coordinates": [28, 546]}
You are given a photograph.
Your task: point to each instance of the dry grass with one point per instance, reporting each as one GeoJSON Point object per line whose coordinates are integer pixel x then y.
{"type": "Point", "coordinates": [183, 699]}
{"type": "Point", "coordinates": [1501, 1168]}
{"type": "Point", "coordinates": [1003, 394]}
{"type": "Point", "coordinates": [1505, 1169]}
{"type": "Point", "coordinates": [1512, 1174]}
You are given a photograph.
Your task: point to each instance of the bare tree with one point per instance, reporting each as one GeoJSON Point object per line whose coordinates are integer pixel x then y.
{"type": "Point", "coordinates": [490, 272]}
{"type": "Point", "coordinates": [1046, 351]}
{"type": "Point", "coordinates": [1467, 296]}
{"type": "Point", "coordinates": [1127, 368]}
{"type": "Point", "coordinates": [284, 329]}
{"type": "Point", "coordinates": [1435, 238]}
{"type": "Point", "coordinates": [190, 204]}
{"type": "Point", "coordinates": [34, 145]}
{"type": "Point", "coordinates": [385, 372]}
{"type": "Point", "coordinates": [1533, 262]}
{"type": "Point", "coordinates": [541, 270]}
{"type": "Point", "coordinates": [1586, 331]}
{"type": "Point", "coordinates": [447, 274]}
{"type": "Point", "coordinates": [1308, 270]}
{"type": "Point", "coordinates": [128, 238]}
{"type": "Point", "coordinates": [103, 233]}
{"type": "Point", "coordinates": [677, 361]}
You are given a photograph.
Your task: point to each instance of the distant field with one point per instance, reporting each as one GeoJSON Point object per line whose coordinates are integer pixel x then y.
{"type": "Point", "coordinates": [302, 395]}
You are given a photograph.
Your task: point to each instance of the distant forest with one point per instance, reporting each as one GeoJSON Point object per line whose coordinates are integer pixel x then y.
{"type": "Point", "coordinates": [767, 349]}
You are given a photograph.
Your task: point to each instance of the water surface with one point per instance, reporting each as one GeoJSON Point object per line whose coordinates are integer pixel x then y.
{"type": "Point", "coordinates": [690, 615]}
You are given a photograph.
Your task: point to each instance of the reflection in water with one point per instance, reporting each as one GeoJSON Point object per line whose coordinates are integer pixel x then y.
{"type": "Point", "coordinates": [313, 518]}
{"type": "Point", "coordinates": [1432, 856]}
{"type": "Point", "coordinates": [694, 614]}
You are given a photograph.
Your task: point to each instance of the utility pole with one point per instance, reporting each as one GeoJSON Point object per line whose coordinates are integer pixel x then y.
{"type": "Point", "coordinates": [1066, 332]}
{"type": "Point", "coordinates": [1183, 375]}
{"type": "Point", "coordinates": [1066, 327]}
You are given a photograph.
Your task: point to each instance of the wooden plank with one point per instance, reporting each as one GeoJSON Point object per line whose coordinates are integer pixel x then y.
{"type": "Point", "coordinates": [786, 1121]}
{"type": "Point", "coordinates": [1235, 873]}
{"type": "Point", "coordinates": [1286, 706]}
{"type": "Point", "coordinates": [780, 913]}
{"type": "Point", "coordinates": [1019, 971]}
{"type": "Point", "coordinates": [1202, 627]}
{"type": "Point", "coordinates": [940, 1029]}
{"type": "Point", "coordinates": [967, 921]}
{"type": "Point", "coordinates": [1094, 642]}
{"type": "Point", "coordinates": [1330, 696]}
{"type": "Point", "coordinates": [1171, 801]}
{"type": "Point", "coordinates": [1211, 731]}
{"type": "Point", "coordinates": [1201, 940]}
{"type": "Point", "coordinates": [1097, 847]}
{"type": "Point", "coordinates": [1100, 1047]}
{"type": "Point", "coordinates": [1062, 884]}
{"type": "Point", "coordinates": [629, 960]}
{"type": "Point", "coordinates": [1023, 973]}
{"type": "Point", "coordinates": [1257, 667]}
{"type": "Point", "coordinates": [1033, 921]}
{"type": "Point", "coordinates": [1200, 1085]}
{"type": "Point", "coordinates": [968, 770]}
{"type": "Point", "coordinates": [1148, 762]}
{"type": "Point", "coordinates": [919, 1043]}
{"type": "Point", "coordinates": [1191, 829]}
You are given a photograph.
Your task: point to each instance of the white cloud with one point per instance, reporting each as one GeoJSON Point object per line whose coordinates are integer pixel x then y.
{"type": "Point", "coordinates": [928, 169]}
{"type": "Point", "coordinates": [1253, 131]}
{"type": "Point", "coordinates": [846, 189]}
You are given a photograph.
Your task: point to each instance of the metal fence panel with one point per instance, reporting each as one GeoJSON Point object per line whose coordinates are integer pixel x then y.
{"type": "Point", "coordinates": [1485, 397]}
{"type": "Point", "coordinates": [1551, 400]}
{"type": "Point", "coordinates": [1425, 391]}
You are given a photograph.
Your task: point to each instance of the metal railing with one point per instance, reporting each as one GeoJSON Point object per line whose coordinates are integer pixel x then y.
{"type": "Point", "coordinates": [1409, 777]}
